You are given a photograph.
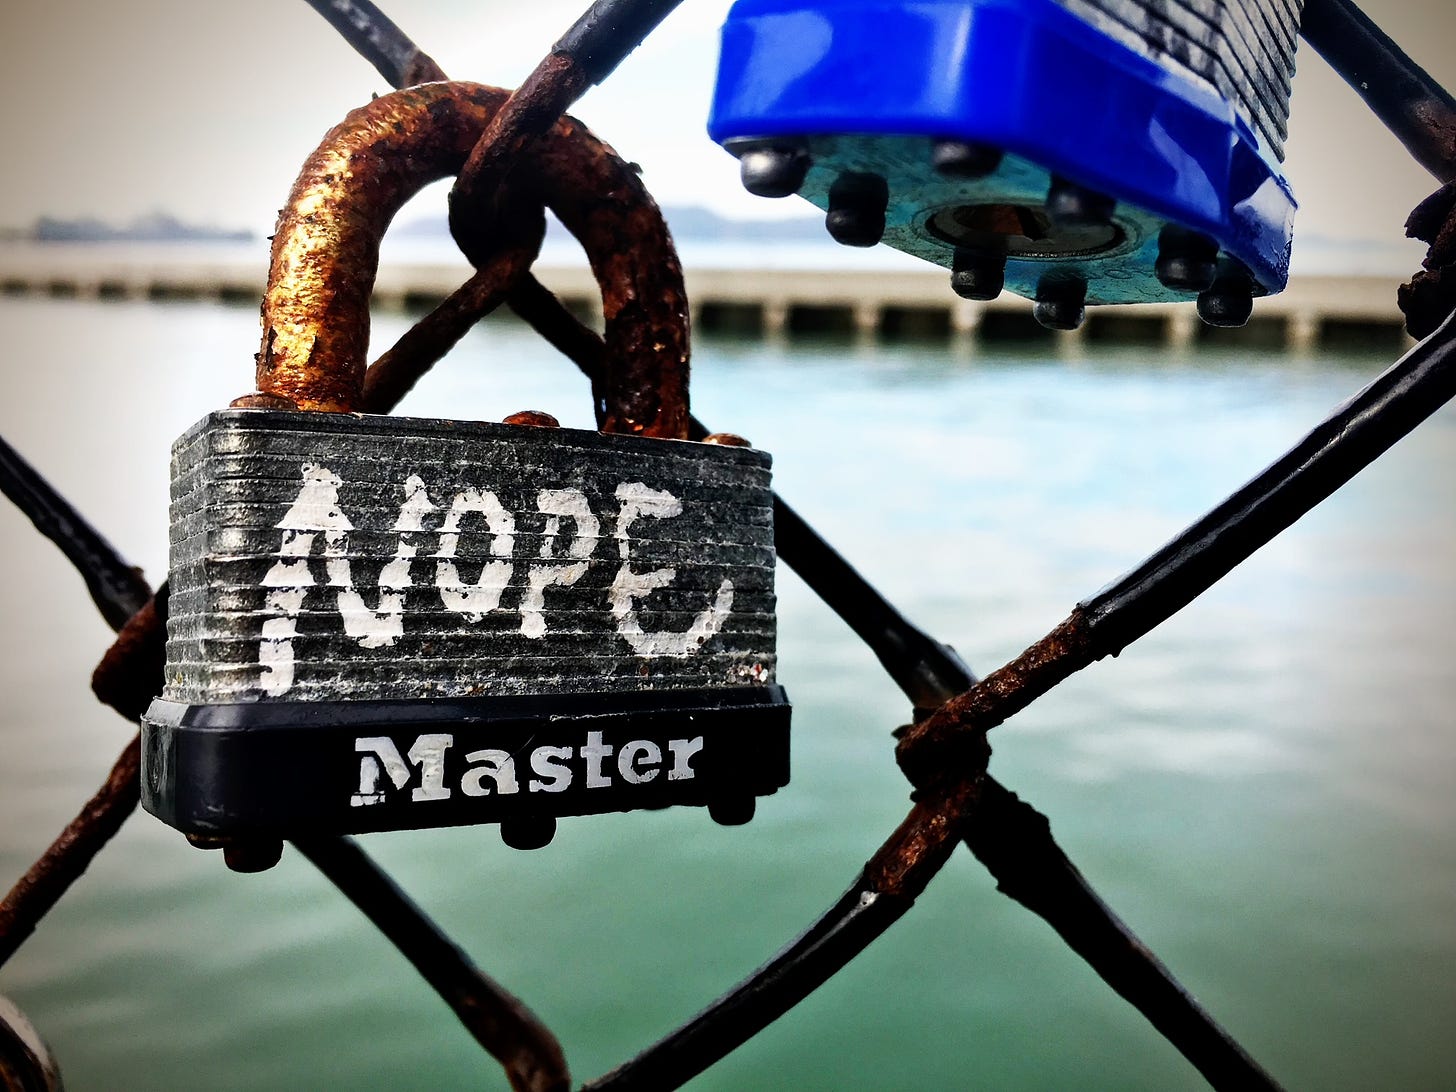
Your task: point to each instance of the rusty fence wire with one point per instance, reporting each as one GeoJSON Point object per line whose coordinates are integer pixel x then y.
{"type": "Point", "coordinates": [944, 753]}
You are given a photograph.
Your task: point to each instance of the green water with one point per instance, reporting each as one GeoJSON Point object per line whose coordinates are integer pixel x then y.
{"type": "Point", "coordinates": [1263, 788]}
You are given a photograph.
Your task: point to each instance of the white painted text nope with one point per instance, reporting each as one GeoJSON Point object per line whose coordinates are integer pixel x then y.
{"type": "Point", "coordinates": [316, 524]}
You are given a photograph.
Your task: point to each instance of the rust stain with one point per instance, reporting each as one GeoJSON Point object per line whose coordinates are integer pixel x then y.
{"type": "Point", "coordinates": [1430, 295]}
{"type": "Point", "coordinates": [924, 841]}
{"type": "Point", "coordinates": [326, 250]}
{"type": "Point", "coordinates": [532, 419]}
{"type": "Point", "coordinates": [131, 673]}
{"type": "Point", "coordinates": [36, 892]}
{"type": "Point", "coordinates": [952, 740]}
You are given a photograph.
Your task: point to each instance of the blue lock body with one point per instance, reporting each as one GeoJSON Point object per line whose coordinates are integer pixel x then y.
{"type": "Point", "coordinates": [1082, 151]}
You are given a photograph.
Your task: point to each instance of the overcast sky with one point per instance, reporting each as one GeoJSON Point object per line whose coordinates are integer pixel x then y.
{"type": "Point", "coordinates": [206, 110]}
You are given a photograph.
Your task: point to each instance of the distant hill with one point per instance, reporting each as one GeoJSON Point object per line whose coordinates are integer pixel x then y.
{"type": "Point", "coordinates": [157, 227]}
{"type": "Point", "coordinates": [690, 224]}
{"type": "Point", "coordinates": [684, 221]}
{"type": "Point", "coordinates": [695, 222]}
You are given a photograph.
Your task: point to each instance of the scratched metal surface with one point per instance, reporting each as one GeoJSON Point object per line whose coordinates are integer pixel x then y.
{"type": "Point", "coordinates": [656, 570]}
{"type": "Point", "coordinates": [1246, 50]}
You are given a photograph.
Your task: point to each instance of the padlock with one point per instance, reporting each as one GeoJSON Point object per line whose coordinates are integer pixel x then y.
{"type": "Point", "coordinates": [1074, 152]}
{"type": "Point", "coordinates": [26, 1062]}
{"type": "Point", "coordinates": [380, 623]}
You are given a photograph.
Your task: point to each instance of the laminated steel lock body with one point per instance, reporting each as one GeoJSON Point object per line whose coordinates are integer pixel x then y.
{"type": "Point", "coordinates": [380, 623]}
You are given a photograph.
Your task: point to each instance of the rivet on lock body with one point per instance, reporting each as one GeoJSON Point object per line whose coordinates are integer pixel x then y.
{"type": "Point", "coordinates": [379, 623]}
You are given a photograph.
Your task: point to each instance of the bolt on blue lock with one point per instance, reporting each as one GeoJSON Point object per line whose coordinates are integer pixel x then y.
{"type": "Point", "coordinates": [1074, 152]}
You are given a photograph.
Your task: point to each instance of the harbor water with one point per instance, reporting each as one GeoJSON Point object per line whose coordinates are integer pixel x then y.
{"type": "Point", "coordinates": [1264, 788]}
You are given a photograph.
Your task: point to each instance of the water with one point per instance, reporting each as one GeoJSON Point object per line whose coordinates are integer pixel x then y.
{"type": "Point", "coordinates": [1263, 788]}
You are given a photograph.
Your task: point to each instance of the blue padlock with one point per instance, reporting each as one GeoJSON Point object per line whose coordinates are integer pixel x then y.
{"type": "Point", "coordinates": [1073, 151]}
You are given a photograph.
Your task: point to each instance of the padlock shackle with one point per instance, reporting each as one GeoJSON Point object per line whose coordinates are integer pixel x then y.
{"type": "Point", "coordinates": [326, 251]}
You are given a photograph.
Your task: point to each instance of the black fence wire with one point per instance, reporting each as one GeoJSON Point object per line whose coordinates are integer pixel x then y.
{"type": "Point", "coordinates": [944, 753]}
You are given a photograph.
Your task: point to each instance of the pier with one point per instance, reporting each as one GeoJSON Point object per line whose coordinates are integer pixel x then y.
{"type": "Point", "coordinates": [775, 303]}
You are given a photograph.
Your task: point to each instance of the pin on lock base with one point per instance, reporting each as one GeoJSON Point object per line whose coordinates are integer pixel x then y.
{"type": "Point", "coordinates": [1060, 303]}
{"type": "Point", "coordinates": [977, 275]}
{"type": "Point", "coordinates": [771, 168]}
{"type": "Point", "coordinates": [1228, 300]}
{"type": "Point", "coordinates": [964, 159]}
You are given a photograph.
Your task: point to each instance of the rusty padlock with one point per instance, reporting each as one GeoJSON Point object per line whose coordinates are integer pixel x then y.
{"type": "Point", "coordinates": [382, 623]}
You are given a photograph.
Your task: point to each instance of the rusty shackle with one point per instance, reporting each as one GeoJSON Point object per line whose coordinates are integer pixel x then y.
{"type": "Point", "coordinates": [326, 251]}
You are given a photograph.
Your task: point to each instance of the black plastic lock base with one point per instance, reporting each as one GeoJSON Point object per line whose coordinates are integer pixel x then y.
{"type": "Point", "coordinates": [291, 769]}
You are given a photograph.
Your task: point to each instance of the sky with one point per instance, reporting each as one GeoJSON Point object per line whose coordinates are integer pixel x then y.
{"type": "Point", "coordinates": [206, 110]}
